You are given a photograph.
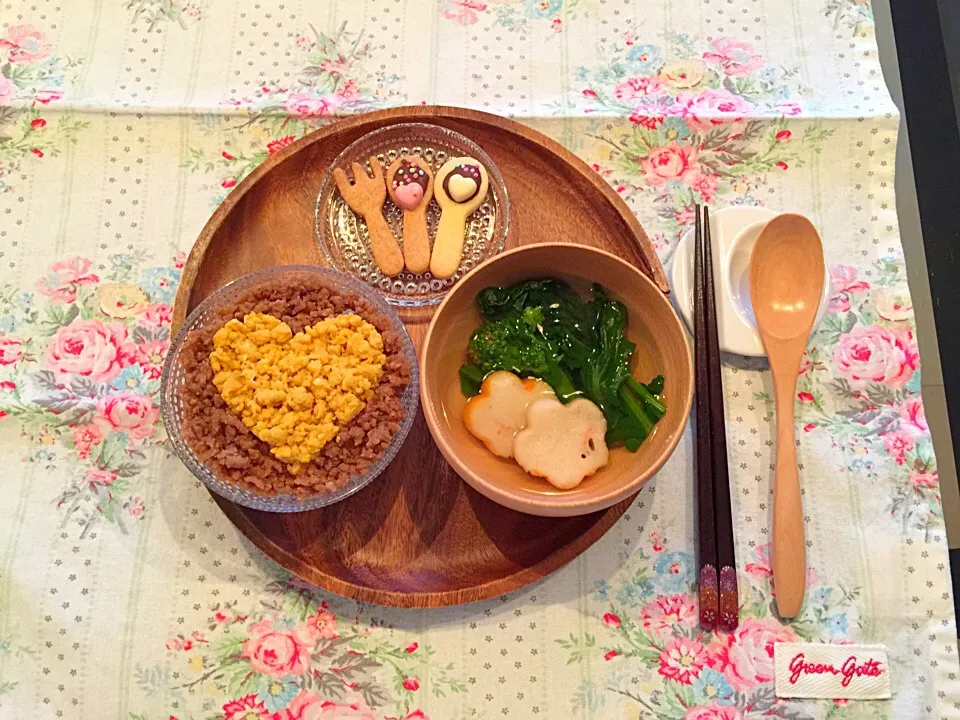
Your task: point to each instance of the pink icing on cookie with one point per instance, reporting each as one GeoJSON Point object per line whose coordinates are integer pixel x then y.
{"type": "Point", "coordinates": [409, 196]}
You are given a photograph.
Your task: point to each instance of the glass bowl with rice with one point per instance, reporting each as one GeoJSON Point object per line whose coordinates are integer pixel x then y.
{"type": "Point", "coordinates": [218, 426]}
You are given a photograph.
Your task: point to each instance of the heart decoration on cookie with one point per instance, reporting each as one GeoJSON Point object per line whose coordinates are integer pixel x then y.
{"type": "Point", "coordinates": [409, 196]}
{"type": "Point", "coordinates": [295, 392]}
{"type": "Point", "coordinates": [461, 187]}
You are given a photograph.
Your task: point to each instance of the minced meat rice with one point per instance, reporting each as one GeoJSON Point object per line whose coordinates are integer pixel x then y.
{"type": "Point", "coordinates": [234, 453]}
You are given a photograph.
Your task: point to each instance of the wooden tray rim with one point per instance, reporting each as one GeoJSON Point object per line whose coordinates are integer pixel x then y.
{"type": "Point", "coordinates": [475, 593]}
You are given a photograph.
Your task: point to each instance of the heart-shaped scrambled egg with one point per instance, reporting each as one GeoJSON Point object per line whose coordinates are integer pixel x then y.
{"type": "Point", "coordinates": [295, 392]}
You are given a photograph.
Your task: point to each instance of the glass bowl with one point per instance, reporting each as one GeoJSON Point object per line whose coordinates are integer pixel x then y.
{"type": "Point", "coordinates": [343, 236]}
{"type": "Point", "coordinates": [205, 314]}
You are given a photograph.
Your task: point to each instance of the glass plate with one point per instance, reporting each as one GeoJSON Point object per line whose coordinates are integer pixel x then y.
{"type": "Point", "coordinates": [343, 236]}
{"type": "Point", "coordinates": [204, 314]}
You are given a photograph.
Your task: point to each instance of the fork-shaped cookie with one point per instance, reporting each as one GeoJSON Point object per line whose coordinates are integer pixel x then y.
{"type": "Point", "coordinates": [365, 196]}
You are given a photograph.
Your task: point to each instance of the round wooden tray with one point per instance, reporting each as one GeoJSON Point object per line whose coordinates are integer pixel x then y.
{"type": "Point", "coordinates": [417, 536]}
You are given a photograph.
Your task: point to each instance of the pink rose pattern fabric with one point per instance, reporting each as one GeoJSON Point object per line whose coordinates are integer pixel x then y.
{"type": "Point", "coordinates": [335, 80]}
{"type": "Point", "coordinates": [33, 76]}
{"type": "Point", "coordinates": [90, 349]}
{"type": "Point", "coordinates": [276, 651]}
{"type": "Point", "coordinates": [299, 660]}
{"type": "Point", "coordinates": [651, 628]}
{"type": "Point", "coordinates": [707, 124]}
{"type": "Point", "coordinates": [542, 16]}
{"type": "Point", "coordinates": [860, 384]}
{"type": "Point", "coordinates": [87, 384]}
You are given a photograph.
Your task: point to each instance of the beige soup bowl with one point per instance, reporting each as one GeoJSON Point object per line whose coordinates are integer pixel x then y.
{"type": "Point", "coordinates": [661, 349]}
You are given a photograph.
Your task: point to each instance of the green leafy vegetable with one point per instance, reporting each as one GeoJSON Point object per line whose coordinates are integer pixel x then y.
{"type": "Point", "coordinates": [471, 377]}
{"type": "Point", "coordinates": [609, 361]}
{"type": "Point", "coordinates": [633, 426]}
{"type": "Point", "coordinates": [496, 302]}
{"type": "Point", "coordinates": [567, 321]}
{"type": "Point", "coordinates": [544, 328]}
{"type": "Point", "coordinates": [515, 343]}
{"type": "Point", "coordinates": [655, 386]}
{"type": "Point", "coordinates": [651, 404]}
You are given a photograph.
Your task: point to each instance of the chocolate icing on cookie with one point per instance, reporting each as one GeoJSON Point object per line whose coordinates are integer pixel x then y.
{"type": "Point", "coordinates": [408, 173]}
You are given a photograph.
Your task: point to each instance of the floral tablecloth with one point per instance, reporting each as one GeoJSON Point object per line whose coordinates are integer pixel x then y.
{"type": "Point", "coordinates": [124, 593]}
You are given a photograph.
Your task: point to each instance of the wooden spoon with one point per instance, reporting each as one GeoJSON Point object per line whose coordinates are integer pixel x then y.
{"type": "Point", "coordinates": [786, 281]}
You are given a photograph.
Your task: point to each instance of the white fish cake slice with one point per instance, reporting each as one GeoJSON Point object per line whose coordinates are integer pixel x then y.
{"type": "Point", "coordinates": [500, 410]}
{"type": "Point", "coordinates": [562, 443]}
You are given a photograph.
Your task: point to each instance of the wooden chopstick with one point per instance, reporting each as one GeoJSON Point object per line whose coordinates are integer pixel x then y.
{"type": "Point", "coordinates": [709, 594]}
{"type": "Point", "coordinates": [718, 595]}
{"type": "Point", "coordinates": [723, 521]}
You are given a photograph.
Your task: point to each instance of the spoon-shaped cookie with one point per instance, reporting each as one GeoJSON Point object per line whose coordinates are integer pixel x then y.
{"type": "Point", "coordinates": [459, 186]}
{"type": "Point", "coordinates": [365, 197]}
{"type": "Point", "coordinates": [410, 184]}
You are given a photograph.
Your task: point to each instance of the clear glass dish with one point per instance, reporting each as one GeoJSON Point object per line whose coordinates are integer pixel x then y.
{"type": "Point", "coordinates": [343, 236]}
{"type": "Point", "coordinates": [204, 314]}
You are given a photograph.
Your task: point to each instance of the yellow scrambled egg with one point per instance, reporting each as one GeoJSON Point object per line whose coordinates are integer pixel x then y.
{"type": "Point", "coordinates": [295, 392]}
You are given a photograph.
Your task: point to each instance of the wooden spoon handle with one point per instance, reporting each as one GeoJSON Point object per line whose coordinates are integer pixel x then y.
{"type": "Point", "coordinates": [789, 546]}
{"type": "Point", "coordinates": [448, 245]}
{"type": "Point", "coordinates": [416, 243]}
{"type": "Point", "coordinates": [386, 251]}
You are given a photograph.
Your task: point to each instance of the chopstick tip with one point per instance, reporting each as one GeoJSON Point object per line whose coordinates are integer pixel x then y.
{"type": "Point", "coordinates": [729, 602]}
{"type": "Point", "coordinates": [709, 598]}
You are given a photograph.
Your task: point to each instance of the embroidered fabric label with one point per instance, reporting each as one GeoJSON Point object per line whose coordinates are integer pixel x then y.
{"type": "Point", "coordinates": [817, 670]}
